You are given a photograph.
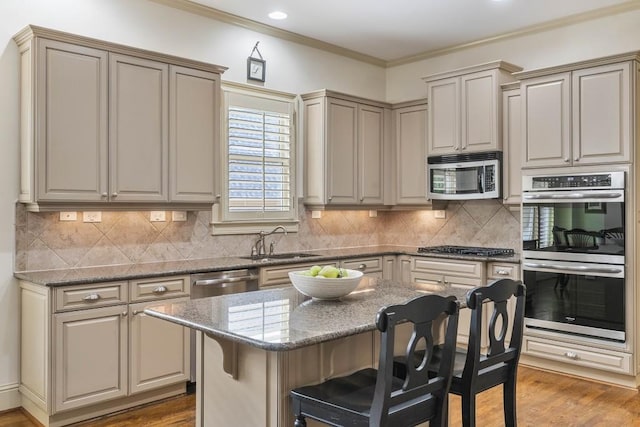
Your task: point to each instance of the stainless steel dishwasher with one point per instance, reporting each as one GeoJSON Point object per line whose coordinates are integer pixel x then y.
{"type": "Point", "coordinates": [217, 283]}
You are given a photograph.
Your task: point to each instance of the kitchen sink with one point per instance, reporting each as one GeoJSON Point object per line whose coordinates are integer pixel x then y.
{"type": "Point", "coordinates": [290, 255]}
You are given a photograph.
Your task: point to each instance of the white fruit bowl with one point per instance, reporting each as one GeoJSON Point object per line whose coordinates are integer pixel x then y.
{"type": "Point", "coordinates": [324, 288]}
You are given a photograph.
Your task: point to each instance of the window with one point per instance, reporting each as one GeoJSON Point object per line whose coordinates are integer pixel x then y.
{"type": "Point", "coordinates": [537, 225]}
{"type": "Point", "coordinates": [258, 171]}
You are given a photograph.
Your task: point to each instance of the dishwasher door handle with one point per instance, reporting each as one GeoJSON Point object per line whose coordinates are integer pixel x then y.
{"type": "Point", "coordinates": [224, 282]}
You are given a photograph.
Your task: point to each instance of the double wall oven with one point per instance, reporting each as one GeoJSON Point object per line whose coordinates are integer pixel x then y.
{"type": "Point", "coordinates": [573, 232]}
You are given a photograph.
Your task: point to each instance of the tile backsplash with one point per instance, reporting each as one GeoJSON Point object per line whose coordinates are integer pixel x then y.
{"type": "Point", "coordinates": [44, 242]}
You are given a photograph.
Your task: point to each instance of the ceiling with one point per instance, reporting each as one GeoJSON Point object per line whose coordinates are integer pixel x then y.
{"type": "Point", "coordinates": [396, 30]}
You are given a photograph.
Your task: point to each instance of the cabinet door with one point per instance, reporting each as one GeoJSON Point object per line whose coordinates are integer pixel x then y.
{"type": "Point", "coordinates": [602, 114]}
{"type": "Point", "coordinates": [411, 155]}
{"type": "Point", "coordinates": [371, 267]}
{"type": "Point", "coordinates": [444, 116]}
{"type": "Point", "coordinates": [90, 356]}
{"type": "Point", "coordinates": [512, 152]}
{"type": "Point", "coordinates": [389, 267]}
{"type": "Point", "coordinates": [464, 318]}
{"type": "Point", "coordinates": [194, 124]}
{"type": "Point", "coordinates": [138, 130]}
{"type": "Point", "coordinates": [159, 350]}
{"type": "Point", "coordinates": [342, 163]}
{"type": "Point", "coordinates": [71, 122]}
{"type": "Point", "coordinates": [545, 121]}
{"type": "Point", "coordinates": [370, 146]}
{"type": "Point", "coordinates": [479, 111]}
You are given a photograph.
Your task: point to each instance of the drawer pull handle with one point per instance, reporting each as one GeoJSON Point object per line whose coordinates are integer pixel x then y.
{"type": "Point", "coordinates": [160, 290]}
{"type": "Point", "coordinates": [136, 312]}
{"type": "Point", "coordinates": [362, 267]}
{"type": "Point", "coordinates": [571, 355]}
{"type": "Point", "coordinates": [502, 272]}
{"type": "Point", "coordinates": [91, 297]}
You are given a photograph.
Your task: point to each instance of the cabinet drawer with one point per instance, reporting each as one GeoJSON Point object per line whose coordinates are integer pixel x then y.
{"type": "Point", "coordinates": [275, 276]}
{"type": "Point", "coordinates": [448, 267]}
{"type": "Point", "coordinates": [90, 295]}
{"type": "Point", "coordinates": [159, 288]}
{"type": "Point", "coordinates": [578, 355]}
{"type": "Point", "coordinates": [366, 265]}
{"type": "Point", "coordinates": [503, 271]}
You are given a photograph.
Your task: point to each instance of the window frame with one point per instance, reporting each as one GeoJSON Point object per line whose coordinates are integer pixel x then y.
{"type": "Point", "coordinates": [224, 222]}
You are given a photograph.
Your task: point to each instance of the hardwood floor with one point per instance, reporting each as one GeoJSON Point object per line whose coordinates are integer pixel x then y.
{"type": "Point", "coordinates": [544, 399]}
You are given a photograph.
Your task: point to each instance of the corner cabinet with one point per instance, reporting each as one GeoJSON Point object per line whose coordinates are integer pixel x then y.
{"type": "Point", "coordinates": [410, 128]}
{"type": "Point", "coordinates": [88, 349]}
{"type": "Point", "coordinates": [344, 150]}
{"type": "Point", "coordinates": [105, 126]}
{"type": "Point", "coordinates": [579, 114]}
{"type": "Point", "coordinates": [465, 108]}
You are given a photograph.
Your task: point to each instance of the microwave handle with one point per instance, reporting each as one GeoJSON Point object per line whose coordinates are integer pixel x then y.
{"type": "Point", "coordinates": [481, 179]}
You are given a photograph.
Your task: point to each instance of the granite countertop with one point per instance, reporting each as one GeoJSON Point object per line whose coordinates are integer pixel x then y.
{"type": "Point", "coordinates": [74, 276]}
{"type": "Point", "coordinates": [284, 319]}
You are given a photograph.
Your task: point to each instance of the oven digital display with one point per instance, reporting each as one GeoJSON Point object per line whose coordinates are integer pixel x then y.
{"type": "Point", "coordinates": [571, 181]}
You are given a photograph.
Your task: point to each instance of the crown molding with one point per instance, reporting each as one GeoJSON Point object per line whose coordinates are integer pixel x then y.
{"type": "Point", "coordinates": [209, 12]}
{"type": "Point", "coordinates": [557, 23]}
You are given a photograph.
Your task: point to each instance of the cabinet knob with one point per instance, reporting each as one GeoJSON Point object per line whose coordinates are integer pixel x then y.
{"type": "Point", "coordinates": [123, 314]}
{"type": "Point", "coordinates": [136, 312]}
{"type": "Point", "coordinates": [361, 198]}
{"type": "Point", "coordinates": [104, 194]}
{"type": "Point", "coordinates": [330, 197]}
{"type": "Point", "coordinates": [91, 297]}
{"type": "Point", "coordinates": [114, 194]}
{"type": "Point", "coordinates": [566, 160]}
{"type": "Point", "coordinates": [457, 148]}
{"type": "Point", "coordinates": [571, 355]}
{"type": "Point", "coordinates": [160, 290]}
{"type": "Point", "coordinates": [362, 267]}
{"type": "Point", "coordinates": [577, 159]}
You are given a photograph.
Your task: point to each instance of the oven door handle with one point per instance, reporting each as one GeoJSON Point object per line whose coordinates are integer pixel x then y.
{"type": "Point", "coordinates": [222, 282]}
{"type": "Point", "coordinates": [573, 196]}
{"type": "Point", "coordinates": [580, 269]}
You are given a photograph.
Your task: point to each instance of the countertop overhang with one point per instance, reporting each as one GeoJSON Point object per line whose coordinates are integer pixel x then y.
{"type": "Point", "coordinates": [74, 276]}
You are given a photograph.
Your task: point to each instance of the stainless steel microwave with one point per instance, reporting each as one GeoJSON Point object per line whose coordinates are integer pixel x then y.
{"type": "Point", "coordinates": [464, 176]}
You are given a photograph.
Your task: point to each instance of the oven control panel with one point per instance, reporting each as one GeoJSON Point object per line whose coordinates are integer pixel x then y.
{"type": "Point", "coordinates": [597, 180]}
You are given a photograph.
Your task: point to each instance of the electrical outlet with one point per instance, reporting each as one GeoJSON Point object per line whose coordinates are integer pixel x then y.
{"type": "Point", "coordinates": [91, 216]}
{"type": "Point", "coordinates": [68, 216]}
{"type": "Point", "coordinates": [158, 216]}
{"type": "Point", "coordinates": [179, 216]}
{"type": "Point", "coordinates": [373, 214]}
{"type": "Point", "coordinates": [440, 214]}
{"type": "Point", "coordinates": [316, 214]}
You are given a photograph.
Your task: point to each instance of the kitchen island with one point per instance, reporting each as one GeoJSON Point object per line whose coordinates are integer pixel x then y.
{"type": "Point", "coordinates": [255, 347]}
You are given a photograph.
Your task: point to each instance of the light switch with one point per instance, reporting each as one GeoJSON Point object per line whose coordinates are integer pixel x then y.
{"type": "Point", "coordinates": [178, 216]}
{"type": "Point", "coordinates": [440, 214]}
{"type": "Point", "coordinates": [68, 216]}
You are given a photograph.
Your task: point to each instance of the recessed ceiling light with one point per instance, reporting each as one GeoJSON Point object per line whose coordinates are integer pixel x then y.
{"type": "Point", "coordinates": [277, 15]}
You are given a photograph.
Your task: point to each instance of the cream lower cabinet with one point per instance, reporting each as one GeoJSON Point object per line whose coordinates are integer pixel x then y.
{"type": "Point", "coordinates": [278, 276]}
{"type": "Point", "coordinates": [370, 266]}
{"type": "Point", "coordinates": [86, 351]}
{"type": "Point", "coordinates": [458, 274]}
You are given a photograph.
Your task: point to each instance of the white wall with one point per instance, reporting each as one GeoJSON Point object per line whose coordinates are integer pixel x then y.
{"type": "Point", "coordinates": [590, 39]}
{"type": "Point", "coordinates": [290, 67]}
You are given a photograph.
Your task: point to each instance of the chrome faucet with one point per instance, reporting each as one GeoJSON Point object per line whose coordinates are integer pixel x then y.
{"type": "Point", "coordinates": [258, 248]}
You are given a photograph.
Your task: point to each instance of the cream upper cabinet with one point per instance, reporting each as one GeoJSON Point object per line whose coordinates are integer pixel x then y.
{"type": "Point", "coordinates": [465, 108]}
{"type": "Point", "coordinates": [194, 123]}
{"type": "Point", "coordinates": [108, 126]}
{"type": "Point", "coordinates": [344, 146]}
{"type": "Point", "coordinates": [511, 148]}
{"type": "Point", "coordinates": [138, 129]}
{"type": "Point", "coordinates": [579, 114]}
{"type": "Point", "coordinates": [64, 118]}
{"type": "Point", "coordinates": [410, 124]}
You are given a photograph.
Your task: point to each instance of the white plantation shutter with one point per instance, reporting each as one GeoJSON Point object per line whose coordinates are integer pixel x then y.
{"type": "Point", "coordinates": [258, 167]}
{"type": "Point", "coordinates": [537, 224]}
{"type": "Point", "coordinates": [259, 161]}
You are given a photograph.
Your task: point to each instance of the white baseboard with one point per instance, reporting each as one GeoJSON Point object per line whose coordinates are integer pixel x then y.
{"type": "Point", "coordinates": [9, 397]}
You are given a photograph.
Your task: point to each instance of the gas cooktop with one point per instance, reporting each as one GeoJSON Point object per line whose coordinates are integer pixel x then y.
{"type": "Point", "coordinates": [466, 250]}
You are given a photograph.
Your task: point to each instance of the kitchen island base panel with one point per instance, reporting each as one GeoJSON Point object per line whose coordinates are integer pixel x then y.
{"type": "Point", "coordinates": [108, 407]}
{"type": "Point", "coordinates": [257, 391]}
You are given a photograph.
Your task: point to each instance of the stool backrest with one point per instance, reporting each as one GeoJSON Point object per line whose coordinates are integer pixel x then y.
{"type": "Point", "coordinates": [424, 312]}
{"type": "Point", "coordinates": [498, 292]}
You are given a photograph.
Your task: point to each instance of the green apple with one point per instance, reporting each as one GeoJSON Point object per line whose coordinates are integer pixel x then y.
{"type": "Point", "coordinates": [314, 270]}
{"type": "Point", "coordinates": [329, 272]}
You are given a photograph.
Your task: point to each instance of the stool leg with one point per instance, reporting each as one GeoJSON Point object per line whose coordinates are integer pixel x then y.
{"type": "Point", "coordinates": [509, 402]}
{"type": "Point", "coordinates": [300, 421]}
{"type": "Point", "coordinates": [469, 410]}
